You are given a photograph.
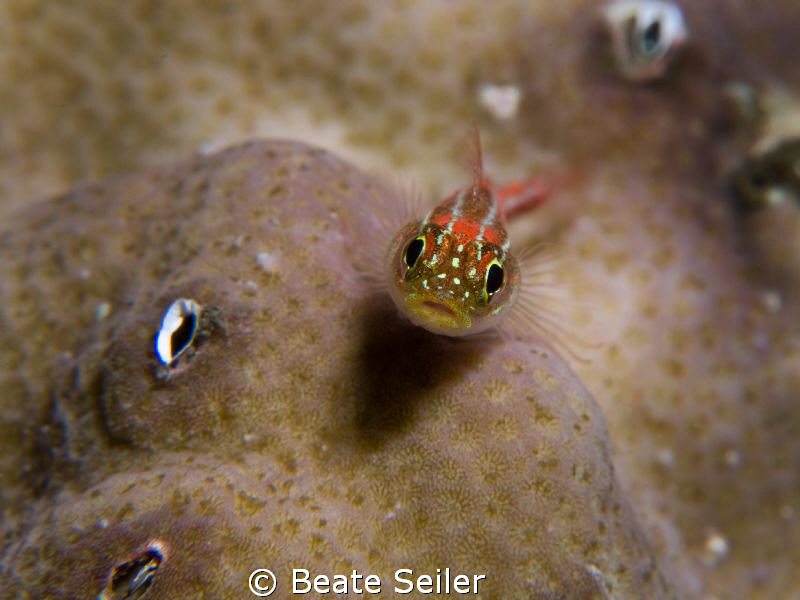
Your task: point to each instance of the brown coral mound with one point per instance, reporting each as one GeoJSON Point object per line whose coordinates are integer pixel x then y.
{"type": "Point", "coordinates": [317, 431]}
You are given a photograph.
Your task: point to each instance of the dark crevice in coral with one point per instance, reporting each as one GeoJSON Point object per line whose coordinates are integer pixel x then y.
{"type": "Point", "coordinates": [49, 456]}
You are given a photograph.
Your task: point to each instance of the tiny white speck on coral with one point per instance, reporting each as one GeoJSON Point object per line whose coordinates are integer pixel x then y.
{"type": "Point", "coordinates": [267, 261]}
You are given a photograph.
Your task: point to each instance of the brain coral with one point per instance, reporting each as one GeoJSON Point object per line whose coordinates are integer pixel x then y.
{"type": "Point", "coordinates": [319, 430]}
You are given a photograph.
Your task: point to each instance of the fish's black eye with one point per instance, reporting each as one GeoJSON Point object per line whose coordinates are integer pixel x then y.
{"type": "Point", "coordinates": [495, 277]}
{"type": "Point", "coordinates": [414, 251]}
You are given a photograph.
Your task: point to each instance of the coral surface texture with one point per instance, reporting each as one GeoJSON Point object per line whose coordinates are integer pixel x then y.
{"type": "Point", "coordinates": [248, 156]}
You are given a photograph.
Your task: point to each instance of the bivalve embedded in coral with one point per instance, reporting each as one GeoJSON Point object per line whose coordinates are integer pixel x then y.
{"type": "Point", "coordinates": [132, 578]}
{"type": "Point", "coordinates": [646, 35]}
{"type": "Point", "coordinates": [178, 329]}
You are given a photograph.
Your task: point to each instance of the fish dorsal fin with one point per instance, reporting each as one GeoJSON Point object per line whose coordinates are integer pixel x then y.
{"type": "Point", "coordinates": [475, 158]}
{"type": "Point", "coordinates": [481, 190]}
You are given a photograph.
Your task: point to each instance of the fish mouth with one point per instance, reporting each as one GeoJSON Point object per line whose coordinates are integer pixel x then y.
{"type": "Point", "coordinates": [439, 307]}
{"type": "Point", "coordinates": [438, 316]}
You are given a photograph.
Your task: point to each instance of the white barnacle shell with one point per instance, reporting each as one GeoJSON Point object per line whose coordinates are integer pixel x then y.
{"type": "Point", "coordinates": [645, 35]}
{"type": "Point", "coordinates": [178, 328]}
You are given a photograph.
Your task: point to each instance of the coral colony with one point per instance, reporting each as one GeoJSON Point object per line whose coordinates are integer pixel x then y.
{"type": "Point", "coordinates": [229, 366]}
